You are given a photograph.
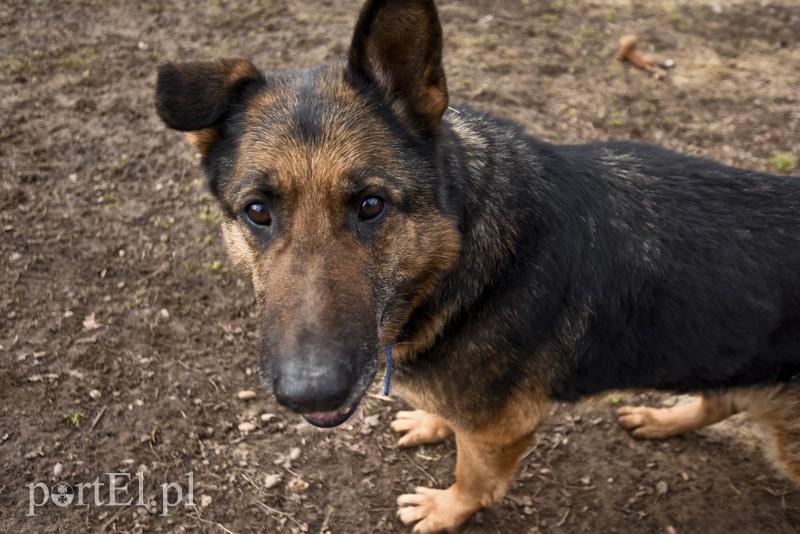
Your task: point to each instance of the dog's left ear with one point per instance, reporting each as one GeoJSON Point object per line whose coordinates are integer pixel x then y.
{"type": "Point", "coordinates": [198, 97]}
{"type": "Point", "coordinates": [397, 46]}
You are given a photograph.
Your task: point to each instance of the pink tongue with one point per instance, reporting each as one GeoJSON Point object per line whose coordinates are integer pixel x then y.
{"type": "Point", "coordinates": [327, 419]}
{"type": "Point", "coordinates": [325, 416]}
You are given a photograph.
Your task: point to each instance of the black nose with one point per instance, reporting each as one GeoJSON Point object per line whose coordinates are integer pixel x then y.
{"type": "Point", "coordinates": [312, 384]}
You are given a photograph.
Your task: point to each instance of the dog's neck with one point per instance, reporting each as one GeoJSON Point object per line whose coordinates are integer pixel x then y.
{"type": "Point", "coordinates": [492, 186]}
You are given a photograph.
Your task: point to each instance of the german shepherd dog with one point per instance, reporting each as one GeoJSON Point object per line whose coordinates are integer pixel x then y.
{"type": "Point", "coordinates": [504, 271]}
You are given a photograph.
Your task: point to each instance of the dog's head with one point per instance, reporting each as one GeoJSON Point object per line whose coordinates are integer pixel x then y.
{"type": "Point", "coordinates": [327, 179]}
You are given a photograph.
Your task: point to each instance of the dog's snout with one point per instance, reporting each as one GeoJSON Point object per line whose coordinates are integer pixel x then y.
{"type": "Point", "coordinates": [310, 385]}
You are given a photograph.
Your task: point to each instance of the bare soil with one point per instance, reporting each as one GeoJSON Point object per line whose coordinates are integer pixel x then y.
{"type": "Point", "coordinates": [116, 300]}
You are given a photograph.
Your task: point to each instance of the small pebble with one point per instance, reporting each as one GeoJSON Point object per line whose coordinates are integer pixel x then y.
{"type": "Point", "coordinates": [372, 420]}
{"type": "Point", "coordinates": [15, 256]}
{"type": "Point", "coordinates": [246, 427]}
{"type": "Point", "coordinates": [163, 313]}
{"type": "Point", "coordinates": [95, 394]}
{"type": "Point", "coordinates": [247, 394]}
{"type": "Point", "coordinates": [205, 501]}
{"type": "Point", "coordinates": [90, 323]}
{"type": "Point", "coordinates": [297, 485]}
{"type": "Point", "coordinates": [485, 22]}
{"type": "Point", "coordinates": [58, 469]}
{"type": "Point", "coordinates": [34, 454]}
{"type": "Point", "coordinates": [270, 481]}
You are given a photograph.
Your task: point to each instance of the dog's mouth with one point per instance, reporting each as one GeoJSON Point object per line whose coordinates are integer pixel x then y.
{"type": "Point", "coordinates": [330, 419]}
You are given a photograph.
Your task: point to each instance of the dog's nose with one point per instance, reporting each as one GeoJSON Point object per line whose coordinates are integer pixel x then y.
{"type": "Point", "coordinates": [312, 385]}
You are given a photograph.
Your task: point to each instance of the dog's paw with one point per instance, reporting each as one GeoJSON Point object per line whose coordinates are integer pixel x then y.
{"type": "Point", "coordinates": [434, 510]}
{"type": "Point", "coordinates": [420, 427]}
{"type": "Point", "coordinates": [646, 423]}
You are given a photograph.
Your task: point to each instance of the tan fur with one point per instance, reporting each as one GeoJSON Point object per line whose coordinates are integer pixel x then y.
{"type": "Point", "coordinates": [203, 140]}
{"type": "Point", "coordinates": [661, 423]}
{"type": "Point", "coordinates": [776, 408]}
{"type": "Point", "coordinates": [318, 277]}
{"type": "Point", "coordinates": [425, 82]}
{"type": "Point", "coordinates": [239, 250]}
{"type": "Point", "coordinates": [239, 69]}
{"type": "Point", "coordinates": [229, 73]}
{"type": "Point", "coordinates": [420, 427]}
{"type": "Point", "coordinates": [312, 178]}
{"type": "Point", "coordinates": [488, 455]}
{"type": "Point", "coordinates": [441, 240]}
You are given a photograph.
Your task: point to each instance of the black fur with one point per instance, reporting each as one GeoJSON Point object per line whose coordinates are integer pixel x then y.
{"type": "Point", "coordinates": [503, 267]}
{"type": "Point", "coordinates": [200, 94]}
{"type": "Point", "coordinates": [676, 272]}
{"type": "Point", "coordinates": [592, 267]}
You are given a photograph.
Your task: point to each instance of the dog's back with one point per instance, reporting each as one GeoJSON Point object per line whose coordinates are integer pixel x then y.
{"type": "Point", "coordinates": [670, 271]}
{"type": "Point", "coordinates": [698, 264]}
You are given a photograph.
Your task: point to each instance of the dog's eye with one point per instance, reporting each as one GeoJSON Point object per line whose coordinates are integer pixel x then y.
{"type": "Point", "coordinates": [371, 208]}
{"type": "Point", "coordinates": [258, 214]}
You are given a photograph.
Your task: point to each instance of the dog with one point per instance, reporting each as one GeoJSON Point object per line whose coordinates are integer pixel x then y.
{"type": "Point", "coordinates": [503, 271]}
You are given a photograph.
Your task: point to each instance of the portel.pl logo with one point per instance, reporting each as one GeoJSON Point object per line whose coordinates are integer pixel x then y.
{"type": "Point", "coordinates": [120, 490]}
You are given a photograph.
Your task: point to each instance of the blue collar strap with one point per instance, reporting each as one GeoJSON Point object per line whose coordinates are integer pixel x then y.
{"type": "Point", "coordinates": [387, 376]}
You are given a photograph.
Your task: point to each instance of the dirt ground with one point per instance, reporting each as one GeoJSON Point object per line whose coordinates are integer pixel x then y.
{"type": "Point", "coordinates": [125, 339]}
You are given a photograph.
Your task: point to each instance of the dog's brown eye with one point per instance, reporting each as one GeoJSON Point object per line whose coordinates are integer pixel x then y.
{"type": "Point", "coordinates": [370, 208]}
{"type": "Point", "coordinates": [258, 214]}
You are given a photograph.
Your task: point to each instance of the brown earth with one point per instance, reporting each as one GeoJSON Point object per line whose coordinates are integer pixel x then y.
{"type": "Point", "coordinates": [116, 301]}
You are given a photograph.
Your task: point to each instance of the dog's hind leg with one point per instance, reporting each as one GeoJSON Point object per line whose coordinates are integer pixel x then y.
{"type": "Point", "coordinates": [777, 409]}
{"type": "Point", "coordinates": [660, 423]}
{"type": "Point", "coordinates": [420, 427]}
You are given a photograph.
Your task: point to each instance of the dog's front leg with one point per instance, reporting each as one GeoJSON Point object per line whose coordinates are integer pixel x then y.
{"type": "Point", "coordinates": [485, 462]}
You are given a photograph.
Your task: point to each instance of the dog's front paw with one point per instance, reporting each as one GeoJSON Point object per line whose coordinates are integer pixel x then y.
{"type": "Point", "coordinates": [435, 510]}
{"type": "Point", "coordinates": [420, 427]}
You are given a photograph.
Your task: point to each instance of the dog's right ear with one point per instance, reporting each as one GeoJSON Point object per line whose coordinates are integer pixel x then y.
{"type": "Point", "coordinates": [197, 97]}
{"type": "Point", "coordinates": [397, 46]}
